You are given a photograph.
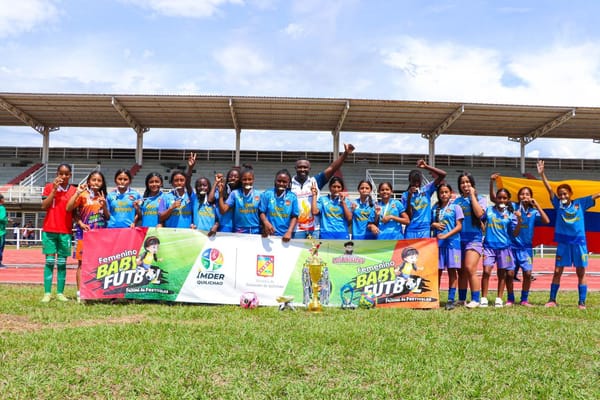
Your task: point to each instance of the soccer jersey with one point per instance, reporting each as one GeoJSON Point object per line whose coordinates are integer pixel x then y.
{"type": "Point", "coordinates": [470, 232]}
{"type": "Point", "coordinates": [120, 206]}
{"type": "Point", "coordinates": [529, 217]}
{"type": "Point", "coordinates": [303, 191]}
{"type": "Point", "coordinates": [391, 230]}
{"type": "Point", "coordinates": [420, 220]}
{"type": "Point", "coordinates": [499, 228]}
{"type": "Point", "coordinates": [362, 215]}
{"type": "Point", "coordinates": [448, 215]}
{"type": "Point", "coordinates": [90, 212]}
{"type": "Point", "coordinates": [332, 217]}
{"type": "Point", "coordinates": [149, 210]}
{"type": "Point", "coordinates": [279, 210]}
{"type": "Point", "coordinates": [57, 219]}
{"type": "Point", "coordinates": [181, 217]}
{"type": "Point", "coordinates": [245, 210]}
{"type": "Point", "coordinates": [225, 220]}
{"type": "Point", "coordinates": [205, 214]}
{"type": "Point", "coordinates": [570, 224]}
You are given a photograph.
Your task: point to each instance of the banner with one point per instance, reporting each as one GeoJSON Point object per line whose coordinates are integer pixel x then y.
{"type": "Point", "coordinates": [544, 234]}
{"type": "Point", "coordinates": [185, 265]}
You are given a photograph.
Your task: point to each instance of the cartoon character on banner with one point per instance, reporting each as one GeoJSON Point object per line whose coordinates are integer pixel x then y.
{"type": "Point", "coordinates": [147, 258]}
{"type": "Point", "coordinates": [405, 270]}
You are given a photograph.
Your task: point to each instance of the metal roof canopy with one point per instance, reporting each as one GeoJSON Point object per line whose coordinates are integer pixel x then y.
{"type": "Point", "coordinates": [48, 112]}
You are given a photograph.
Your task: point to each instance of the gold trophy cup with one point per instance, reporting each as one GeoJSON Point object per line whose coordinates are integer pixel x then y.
{"type": "Point", "coordinates": [315, 270]}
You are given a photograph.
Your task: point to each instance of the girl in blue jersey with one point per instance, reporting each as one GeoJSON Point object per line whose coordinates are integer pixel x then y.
{"type": "Point", "coordinates": [243, 203]}
{"type": "Point", "coordinates": [522, 247]}
{"type": "Point", "coordinates": [390, 214]}
{"type": "Point", "coordinates": [446, 227]}
{"type": "Point", "coordinates": [501, 225]}
{"type": "Point", "coordinates": [278, 209]}
{"type": "Point", "coordinates": [417, 199]}
{"type": "Point", "coordinates": [148, 205]}
{"type": "Point", "coordinates": [232, 182]}
{"type": "Point", "coordinates": [175, 207]}
{"type": "Point", "coordinates": [363, 213]}
{"type": "Point", "coordinates": [471, 237]}
{"type": "Point", "coordinates": [205, 213]}
{"type": "Point", "coordinates": [569, 233]}
{"type": "Point", "coordinates": [123, 213]}
{"type": "Point", "coordinates": [334, 209]}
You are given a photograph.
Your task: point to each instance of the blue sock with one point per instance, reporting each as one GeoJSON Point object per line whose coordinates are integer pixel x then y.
{"type": "Point", "coordinates": [582, 293]}
{"type": "Point", "coordinates": [462, 294]}
{"type": "Point", "coordinates": [554, 291]}
{"type": "Point", "coordinates": [451, 294]}
{"type": "Point", "coordinates": [476, 296]}
{"type": "Point", "coordinates": [525, 295]}
{"type": "Point", "coordinates": [510, 297]}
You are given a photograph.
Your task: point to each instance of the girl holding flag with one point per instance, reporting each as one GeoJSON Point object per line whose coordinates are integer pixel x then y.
{"type": "Point", "coordinates": [569, 233]}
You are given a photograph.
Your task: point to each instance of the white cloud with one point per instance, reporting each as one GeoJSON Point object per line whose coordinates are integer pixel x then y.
{"type": "Point", "coordinates": [21, 16]}
{"type": "Point", "coordinates": [295, 30]}
{"type": "Point", "coordinates": [240, 63]}
{"type": "Point", "coordinates": [556, 75]}
{"type": "Point", "coordinates": [185, 8]}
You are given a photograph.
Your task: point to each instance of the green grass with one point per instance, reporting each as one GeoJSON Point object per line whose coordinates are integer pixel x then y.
{"type": "Point", "coordinates": [151, 351]}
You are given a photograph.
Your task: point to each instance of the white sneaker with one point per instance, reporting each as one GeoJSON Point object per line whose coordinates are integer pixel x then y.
{"type": "Point", "coordinates": [484, 302]}
{"type": "Point", "coordinates": [473, 304]}
{"type": "Point", "coordinates": [498, 303]}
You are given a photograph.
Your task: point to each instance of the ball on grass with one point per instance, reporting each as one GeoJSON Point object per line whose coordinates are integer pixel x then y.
{"type": "Point", "coordinates": [248, 300]}
{"type": "Point", "coordinates": [367, 300]}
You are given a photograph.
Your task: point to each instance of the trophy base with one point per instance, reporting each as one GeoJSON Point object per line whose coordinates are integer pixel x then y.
{"type": "Point", "coordinates": [316, 308]}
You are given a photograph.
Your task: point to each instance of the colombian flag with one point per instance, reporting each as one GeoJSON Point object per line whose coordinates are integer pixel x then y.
{"type": "Point", "coordinates": [544, 234]}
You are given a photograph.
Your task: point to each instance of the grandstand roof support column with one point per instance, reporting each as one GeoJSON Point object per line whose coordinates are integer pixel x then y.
{"type": "Point", "coordinates": [45, 145]}
{"type": "Point", "coordinates": [338, 128]}
{"type": "Point", "coordinates": [238, 132]}
{"type": "Point", "coordinates": [433, 135]}
{"type": "Point", "coordinates": [139, 130]}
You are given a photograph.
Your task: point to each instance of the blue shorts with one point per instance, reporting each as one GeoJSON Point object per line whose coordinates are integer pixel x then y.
{"type": "Point", "coordinates": [503, 258]}
{"type": "Point", "coordinates": [334, 235]}
{"type": "Point", "coordinates": [568, 255]}
{"type": "Point", "coordinates": [417, 234]}
{"type": "Point", "coordinates": [475, 245]}
{"type": "Point", "coordinates": [523, 259]}
{"type": "Point", "coordinates": [449, 258]}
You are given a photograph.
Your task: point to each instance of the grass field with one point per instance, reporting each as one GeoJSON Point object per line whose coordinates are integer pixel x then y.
{"type": "Point", "coordinates": [152, 351]}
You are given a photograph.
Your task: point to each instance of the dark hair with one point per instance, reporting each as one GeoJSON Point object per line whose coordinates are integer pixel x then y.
{"type": "Point", "coordinates": [370, 185]}
{"type": "Point", "coordinates": [409, 251]}
{"type": "Point", "coordinates": [385, 183]}
{"type": "Point", "coordinates": [123, 171]}
{"type": "Point", "coordinates": [439, 210]}
{"type": "Point", "coordinates": [350, 243]}
{"type": "Point", "coordinates": [151, 240]}
{"type": "Point", "coordinates": [68, 166]}
{"type": "Point", "coordinates": [97, 172]}
{"type": "Point", "coordinates": [476, 222]}
{"type": "Point", "coordinates": [525, 188]}
{"type": "Point", "coordinates": [177, 172]}
{"type": "Point", "coordinates": [283, 171]}
{"type": "Point", "coordinates": [509, 206]}
{"type": "Point", "coordinates": [337, 179]}
{"type": "Point", "coordinates": [247, 169]}
{"type": "Point", "coordinates": [413, 176]}
{"type": "Point", "coordinates": [196, 188]}
{"type": "Point", "coordinates": [565, 186]}
{"type": "Point", "coordinates": [148, 177]}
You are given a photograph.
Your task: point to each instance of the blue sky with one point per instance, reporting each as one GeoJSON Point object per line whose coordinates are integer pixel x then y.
{"type": "Point", "coordinates": [506, 52]}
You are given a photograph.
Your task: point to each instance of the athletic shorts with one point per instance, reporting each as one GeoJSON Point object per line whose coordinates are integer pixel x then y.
{"type": "Point", "coordinates": [252, 230]}
{"type": "Point", "coordinates": [523, 259]}
{"type": "Point", "coordinates": [503, 258]}
{"type": "Point", "coordinates": [568, 255]}
{"type": "Point", "coordinates": [417, 234]}
{"type": "Point", "coordinates": [335, 235]}
{"type": "Point", "coordinates": [56, 243]}
{"type": "Point", "coordinates": [449, 258]}
{"type": "Point", "coordinates": [475, 245]}
{"type": "Point", "coordinates": [78, 253]}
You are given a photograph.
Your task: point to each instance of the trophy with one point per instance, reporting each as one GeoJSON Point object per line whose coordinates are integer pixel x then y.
{"type": "Point", "coordinates": [315, 270]}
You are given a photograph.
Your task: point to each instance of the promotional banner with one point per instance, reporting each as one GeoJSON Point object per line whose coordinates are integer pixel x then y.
{"type": "Point", "coordinates": [185, 265]}
{"type": "Point", "coordinates": [544, 234]}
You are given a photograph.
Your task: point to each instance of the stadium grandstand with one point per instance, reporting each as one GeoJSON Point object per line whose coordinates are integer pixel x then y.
{"type": "Point", "coordinates": [23, 176]}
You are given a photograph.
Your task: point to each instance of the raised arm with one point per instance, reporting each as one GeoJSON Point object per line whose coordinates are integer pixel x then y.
{"type": "Point", "coordinates": [540, 168]}
{"type": "Point", "coordinates": [334, 166]}
{"type": "Point", "coordinates": [492, 187]}
{"type": "Point", "coordinates": [440, 174]}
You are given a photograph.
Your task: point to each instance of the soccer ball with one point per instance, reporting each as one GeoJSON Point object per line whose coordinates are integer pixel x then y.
{"type": "Point", "coordinates": [248, 300]}
{"type": "Point", "coordinates": [367, 300]}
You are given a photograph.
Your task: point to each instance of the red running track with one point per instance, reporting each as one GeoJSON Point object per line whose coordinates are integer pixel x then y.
{"type": "Point", "coordinates": [26, 266]}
